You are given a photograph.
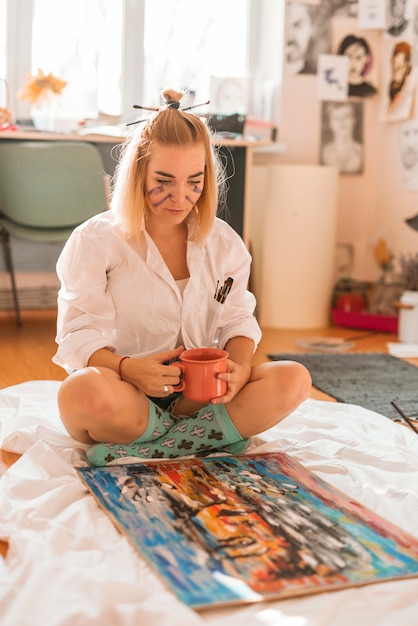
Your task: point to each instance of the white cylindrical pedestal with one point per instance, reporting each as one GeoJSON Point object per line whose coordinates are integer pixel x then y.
{"type": "Point", "coordinates": [298, 251]}
{"type": "Point", "coordinates": [408, 317]}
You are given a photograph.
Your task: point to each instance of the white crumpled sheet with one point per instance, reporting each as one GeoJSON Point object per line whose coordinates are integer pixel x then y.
{"type": "Point", "coordinates": [67, 565]}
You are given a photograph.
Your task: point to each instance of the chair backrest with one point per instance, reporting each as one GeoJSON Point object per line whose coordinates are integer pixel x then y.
{"type": "Point", "coordinates": [50, 184]}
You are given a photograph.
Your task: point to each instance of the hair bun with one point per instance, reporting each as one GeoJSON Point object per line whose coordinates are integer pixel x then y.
{"type": "Point", "coordinates": [172, 104]}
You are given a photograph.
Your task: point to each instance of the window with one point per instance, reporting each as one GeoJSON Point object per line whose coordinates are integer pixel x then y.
{"type": "Point", "coordinates": [114, 53]}
{"type": "Point", "coordinates": [185, 46]}
{"type": "Point", "coordinates": [3, 89]}
{"type": "Point", "coordinates": [85, 40]}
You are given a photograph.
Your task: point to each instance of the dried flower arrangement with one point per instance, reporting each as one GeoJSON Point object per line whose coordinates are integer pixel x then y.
{"type": "Point", "coordinates": [41, 87]}
{"type": "Point", "coordinates": [384, 258]}
{"type": "Point", "coordinates": [409, 267]}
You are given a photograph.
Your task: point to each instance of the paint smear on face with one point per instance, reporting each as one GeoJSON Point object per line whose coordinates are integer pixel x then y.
{"type": "Point", "coordinates": [157, 191]}
{"type": "Point", "coordinates": [197, 190]}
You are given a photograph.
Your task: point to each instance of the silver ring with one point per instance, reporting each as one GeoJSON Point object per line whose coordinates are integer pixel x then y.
{"type": "Point", "coordinates": [165, 388]}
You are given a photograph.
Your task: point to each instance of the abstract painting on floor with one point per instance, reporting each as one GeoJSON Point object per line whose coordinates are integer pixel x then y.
{"type": "Point", "coordinates": [226, 530]}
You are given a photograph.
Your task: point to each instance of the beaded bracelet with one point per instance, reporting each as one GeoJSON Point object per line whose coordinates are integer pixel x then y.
{"type": "Point", "coordinates": [120, 365]}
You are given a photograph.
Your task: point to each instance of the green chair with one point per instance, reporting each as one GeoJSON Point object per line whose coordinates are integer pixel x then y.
{"type": "Point", "coordinates": [47, 188]}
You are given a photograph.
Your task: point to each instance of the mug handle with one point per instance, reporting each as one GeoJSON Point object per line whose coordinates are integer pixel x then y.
{"type": "Point", "coordinates": [181, 386]}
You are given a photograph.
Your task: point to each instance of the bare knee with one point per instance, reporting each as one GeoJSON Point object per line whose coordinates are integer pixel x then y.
{"type": "Point", "coordinates": [96, 405]}
{"type": "Point", "coordinates": [274, 391]}
{"type": "Point", "coordinates": [301, 382]}
{"type": "Point", "coordinates": [292, 383]}
{"type": "Point", "coordinates": [83, 399]}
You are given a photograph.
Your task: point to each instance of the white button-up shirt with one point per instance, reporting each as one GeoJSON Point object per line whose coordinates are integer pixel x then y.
{"type": "Point", "coordinates": [120, 295]}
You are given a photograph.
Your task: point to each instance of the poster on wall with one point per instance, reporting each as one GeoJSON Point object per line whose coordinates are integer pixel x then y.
{"type": "Point", "coordinates": [307, 35]}
{"type": "Point", "coordinates": [229, 530]}
{"type": "Point", "coordinates": [342, 136]}
{"type": "Point", "coordinates": [408, 154]}
{"type": "Point", "coordinates": [399, 22]}
{"type": "Point", "coordinates": [333, 77]}
{"type": "Point", "coordinates": [228, 95]}
{"type": "Point", "coordinates": [414, 33]}
{"type": "Point", "coordinates": [362, 50]}
{"type": "Point", "coordinates": [399, 81]}
{"type": "Point", "coordinates": [340, 8]}
{"type": "Point", "coordinates": [372, 14]}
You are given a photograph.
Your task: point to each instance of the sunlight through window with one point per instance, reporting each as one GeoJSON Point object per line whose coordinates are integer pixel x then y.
{"type": "Point", "coordinates": [185, 47]}
{"type": "Point", "coordinates": [81, 42]}
{"type": "Point", "coordinates": [2, 40]}
{"type": "Point", "coordinates": [113, 53]}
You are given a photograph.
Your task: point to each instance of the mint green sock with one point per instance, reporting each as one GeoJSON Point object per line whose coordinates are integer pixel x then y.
{"type": "Point", "coordinates": [168, 436]}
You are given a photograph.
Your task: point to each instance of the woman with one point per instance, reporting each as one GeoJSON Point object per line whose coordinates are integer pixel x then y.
{"type": "Point", "coordinates": [137, 284]}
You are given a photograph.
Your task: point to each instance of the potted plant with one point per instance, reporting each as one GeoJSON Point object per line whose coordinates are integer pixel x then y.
{"type": "Point", "coordinates": [388, 288]}
{"type": "Point", "coordinates": [42, 90]}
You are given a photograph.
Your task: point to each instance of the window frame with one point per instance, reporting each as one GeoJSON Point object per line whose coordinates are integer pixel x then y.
{"type": "Point", "coordinates": [264, 58]}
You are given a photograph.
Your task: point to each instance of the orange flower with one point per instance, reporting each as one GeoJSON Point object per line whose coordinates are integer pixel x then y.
{"type": "Point", "coordinates": [41, 87]}
{"type": "Point", "coordinates": [383, 255]}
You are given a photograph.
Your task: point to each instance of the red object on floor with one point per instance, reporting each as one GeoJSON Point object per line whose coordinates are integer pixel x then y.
{"type": "Point", "coordinates": [350, 302]}
{"type": "Point", "coordinates": [360, 319]}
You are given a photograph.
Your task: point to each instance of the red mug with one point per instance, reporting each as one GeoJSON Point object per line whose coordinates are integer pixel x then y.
{"type": "Point", "coordinates": [199, 368]}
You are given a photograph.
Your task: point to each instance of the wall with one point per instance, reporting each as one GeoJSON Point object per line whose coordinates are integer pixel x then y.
{"type": "Point", "coordinates": [370, 205]}
{"type": "Point", "coordinates": [358, 214]}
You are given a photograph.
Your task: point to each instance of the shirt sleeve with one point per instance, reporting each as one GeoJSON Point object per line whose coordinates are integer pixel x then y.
{"type": "Point", "coordinates": [85, 309]}
{"type": "Point", "coordinates": [237, 313]}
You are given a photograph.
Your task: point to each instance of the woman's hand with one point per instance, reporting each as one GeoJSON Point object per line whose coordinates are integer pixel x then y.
{"type": "Point", "coordinates": [236, 377]}
{"type": "Point", "coordinates": [238, 367]}
{"type": "Point", "coordinates": [151, 376]}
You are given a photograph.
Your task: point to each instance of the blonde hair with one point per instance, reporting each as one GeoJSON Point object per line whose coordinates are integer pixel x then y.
{"type": "Point", "coordinates": [169, 126]}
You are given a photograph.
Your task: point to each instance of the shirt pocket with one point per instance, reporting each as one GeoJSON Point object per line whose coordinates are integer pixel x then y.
{"type": "Point", "coordinates": [213, 321]}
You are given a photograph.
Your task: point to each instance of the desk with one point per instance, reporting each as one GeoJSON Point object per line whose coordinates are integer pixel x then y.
{"type": "Point", "coordinates": [237, 155]}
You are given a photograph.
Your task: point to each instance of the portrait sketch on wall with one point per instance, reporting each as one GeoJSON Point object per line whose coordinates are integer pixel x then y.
{"type": "Point", "coordinates": [342, 136]}
{"type": "Point", "coordinates": [228, 95]}
{"type": "Point", "coordinates": [372, 14]}
{"type": "Point", "coordinates": [400, 82]}
{"type": "Point", "coordinates": [307, 35]}
{"type": "Point", "coordinates": [398, 18]}
{"type": "Point", "coordinates": [408, 154]}
{"type": "Point", "coordinates": [361, 61]}
{"type": "Point", "coordinates": [340, 8]}
{"type": "Point", "coordinates": [414, 34]}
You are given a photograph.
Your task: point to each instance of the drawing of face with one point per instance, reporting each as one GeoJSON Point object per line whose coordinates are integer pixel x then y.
{"type": "Point", "coordinates": [230, 97]}
{"type": "Point", "coordinates": [351, 8]}
{"type": "Point", "coordinates": [358, 61]}
{"type": "Point", "coordinates": [341, 121]}
{"type": "Point", "coordinates": [409, 145]}
{"type": "Point", "coordinates": [299, 32]}
{"type": "Point", "coordinates": [397, 9]}
{"type": "Point", "coordinates": [400, 69]}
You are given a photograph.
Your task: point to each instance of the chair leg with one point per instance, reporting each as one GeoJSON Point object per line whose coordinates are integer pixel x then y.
{"type": "Point", "coordinates": [5, 240]}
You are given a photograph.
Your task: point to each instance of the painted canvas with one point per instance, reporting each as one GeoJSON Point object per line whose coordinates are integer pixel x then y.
{"type": "Point", "coordinates": [228, 530]}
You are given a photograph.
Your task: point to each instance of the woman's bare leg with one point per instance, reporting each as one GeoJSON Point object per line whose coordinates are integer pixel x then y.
{"type": "Point", "coordinates": [273, 392]}
{"type": "Point", "coordinates": [96, 405]}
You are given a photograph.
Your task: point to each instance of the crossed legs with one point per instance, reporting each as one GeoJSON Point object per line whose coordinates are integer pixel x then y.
{"type": "Point", "coordinates": [97, 406]}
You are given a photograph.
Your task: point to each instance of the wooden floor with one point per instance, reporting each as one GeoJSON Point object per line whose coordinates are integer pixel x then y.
{"type": "Point", "coordinates": [26, 353]}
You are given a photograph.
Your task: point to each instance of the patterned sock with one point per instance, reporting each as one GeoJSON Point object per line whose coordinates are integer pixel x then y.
{"type": "Point", "coordinates": [169, 436]}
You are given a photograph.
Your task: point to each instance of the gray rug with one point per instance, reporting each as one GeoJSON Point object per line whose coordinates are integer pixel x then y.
{"type": "Point", "coordinates": [369, 380]}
